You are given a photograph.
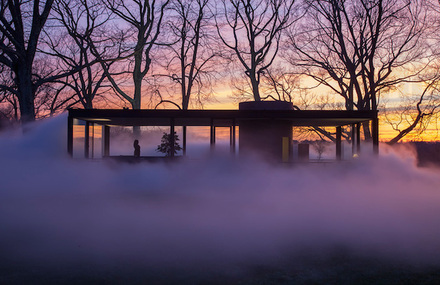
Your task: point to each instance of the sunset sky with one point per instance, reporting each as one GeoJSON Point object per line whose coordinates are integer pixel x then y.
{"type": "Point", "coordinates": [267, 208]}
{"type": "Point", "coordinates": [373, 52]}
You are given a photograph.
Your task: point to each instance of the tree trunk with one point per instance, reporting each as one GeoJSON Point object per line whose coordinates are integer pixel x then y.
{"type": "Point", "coordinates": [137, 81]}
{"type": "Point", "coordinates": [406, 131]}
{"type": "Point", "coordinates": [136, 105]}
{"type": "Point", "coordinates": [89, 103]}
{"type": "Point", "coordinates": [26, 93]}
{"type": "Point", "coordinates": [255, 86]}
{"type": "Point", "coordinates": [367, 132]}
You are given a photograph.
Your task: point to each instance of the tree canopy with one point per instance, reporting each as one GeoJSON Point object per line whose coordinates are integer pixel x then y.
{"type": "Point", "coordinates": [361, 55]}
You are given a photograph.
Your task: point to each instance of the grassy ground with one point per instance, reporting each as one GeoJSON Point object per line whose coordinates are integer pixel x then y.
{"type": "Point", "coordinates": [328, 270]}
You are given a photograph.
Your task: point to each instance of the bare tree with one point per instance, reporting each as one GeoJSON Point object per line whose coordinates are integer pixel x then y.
{"type": "Point", "coordinates": [415, 112]}
{"type": "Point", "coordinates": [280, 85]}
{"type": "Point", "coordinates": [189, 58]}
{"type": "Point", "coordinates": [320, 147]}
{"type": "Point", "coordinates": [48, 101]}
{"type": "Point", "coordinates": [252, 30]}
{"type": "Point", "coordinates": [79, 21]}
{"type": "Point", "coordinates": [419, 110]}
{"type": "Point", "coordinates": [360, 49]}
{"type": "Point", "coordinates": [21, 23]}
{"type": "Point", "coordinates": [143, 19]}
{"type": "Point", "coordinates": [8, 100]}
{"type": "Point", "coordinates": [22, 51]}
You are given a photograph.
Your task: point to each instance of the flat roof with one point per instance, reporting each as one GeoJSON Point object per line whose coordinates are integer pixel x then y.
{"type": "Point", "coordinates": [149, 117]}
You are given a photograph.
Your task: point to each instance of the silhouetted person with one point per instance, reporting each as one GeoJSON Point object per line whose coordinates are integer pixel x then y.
{"type": "Point", "coordinates": [137, 148]}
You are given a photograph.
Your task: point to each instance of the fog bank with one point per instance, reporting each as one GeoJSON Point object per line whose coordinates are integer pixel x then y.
{"type": "Point", "coordinates": [212, 213]}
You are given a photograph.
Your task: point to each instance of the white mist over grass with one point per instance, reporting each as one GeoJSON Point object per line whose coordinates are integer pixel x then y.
{"type": "Point", "coordinates": [56, 211]}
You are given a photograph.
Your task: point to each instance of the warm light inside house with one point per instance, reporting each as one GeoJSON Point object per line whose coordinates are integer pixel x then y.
{"type": "Point", "coordinates": [265, 130]}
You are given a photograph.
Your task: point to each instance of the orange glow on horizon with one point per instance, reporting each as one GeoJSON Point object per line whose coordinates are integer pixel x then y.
{"type": "Point", "coordinates": [385, 130]}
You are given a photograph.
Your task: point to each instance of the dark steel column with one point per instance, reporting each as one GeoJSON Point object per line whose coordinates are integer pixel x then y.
{"type": "Point", "coordinates": [375, 131]}
{"type": "Point", "coordinates": [353, 139]}
{"type": "Point", "coordinates": [93, 140]}
{"type": "Point", "coordinates": [86, 140]}
{"type": "Point", "coordinates": [184, 140]}
{"type": "Point", "coordinates": [339, 143]}
{"type": "Point", "coordinates": [172, 137]}
{"type": "Point", "coordinates": [106, 139]}
{"type": "Point", "coordinates": [212, 135]}
{"type": "Point", "coordinates": [232, 137]}
{"type": "Point", "coordinates": [358, 137]}
{"type": "Point", "coordinates": [70, 136]}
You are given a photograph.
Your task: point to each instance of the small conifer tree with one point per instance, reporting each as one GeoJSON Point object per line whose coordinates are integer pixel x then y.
{"type": "Point", "coordinates": [165, 144]}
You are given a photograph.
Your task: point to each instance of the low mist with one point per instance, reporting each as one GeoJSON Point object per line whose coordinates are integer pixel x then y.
{"type": "Point", "coordinates": [212, 214]}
